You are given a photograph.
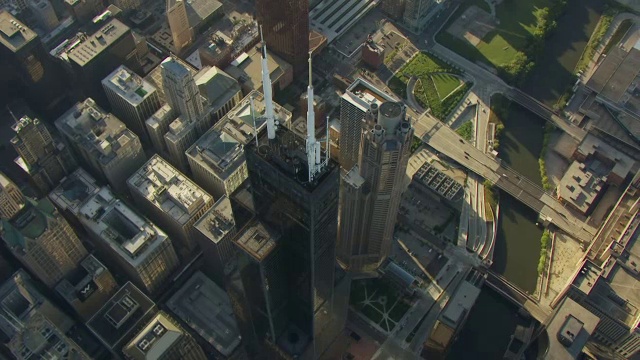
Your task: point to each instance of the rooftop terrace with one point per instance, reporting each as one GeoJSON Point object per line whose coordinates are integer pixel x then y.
{"type": "Point", "coordinates": [128, 85]}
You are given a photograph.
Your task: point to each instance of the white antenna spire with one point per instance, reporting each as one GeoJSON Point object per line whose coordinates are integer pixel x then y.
{"type": "Point", "coordinates": [267, 90]}
{"type": "Point", "coordinates": [313, 146]}
{"type": "Point", "coordinates": [253, 115]}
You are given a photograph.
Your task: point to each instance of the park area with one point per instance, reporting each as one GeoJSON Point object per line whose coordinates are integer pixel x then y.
{"type": "Point", "coordinates": [507, 41]}
{"type": "Point", "coordinates": [438, 86]}
{"type": "Point", "coordinates": [379, 302]}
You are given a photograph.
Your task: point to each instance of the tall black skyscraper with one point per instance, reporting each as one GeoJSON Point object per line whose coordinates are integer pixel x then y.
{"type": "Point", "coordinates": [304, 215]}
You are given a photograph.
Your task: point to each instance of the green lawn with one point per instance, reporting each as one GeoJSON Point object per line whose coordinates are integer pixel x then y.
{"type": "Point", "coordinates": [398, 311]}
{"type": "Point", "coordinates": [395, 306]}
{"type": "Point", "coordinates": [436, 88]}
{"type": "Point", "coordinates": [517, 23]}
{"type": "Point", "coordinates": [373, 314]}
{"type": "Point", "coordinates": [466, 130]}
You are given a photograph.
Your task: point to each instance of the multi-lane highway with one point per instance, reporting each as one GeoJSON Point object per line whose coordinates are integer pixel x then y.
{"type": "Point", "coordinates": [446, 141]}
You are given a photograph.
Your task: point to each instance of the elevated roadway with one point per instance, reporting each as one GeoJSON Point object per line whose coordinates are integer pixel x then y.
{"type": "Point", "coordinates": [447, 142]}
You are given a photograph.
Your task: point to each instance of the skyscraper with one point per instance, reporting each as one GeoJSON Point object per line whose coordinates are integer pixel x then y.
{"type": "Point", "coordinates": [33, 327]}
{"type": "Point", "coordinates": [181, 30]}
{"type": "Point", "coordinates": [133, 100]}
{"type": "Point", "coordinates": [354, 104]}
{"type": "Point", "coordinates": [295, 192]}
{"type": "Point", "coordinates": [103, 143]}
{"type": "Point", "coordinates": [42, 240]}
{"type": "Point", "coordinates": [44, 158]}
{"type": "Point", "coordinates": [371, 191]}
{"type": "Point", "coordinates": [45, 15]}
{"type": "Point", "coordinates": [163, 338]}
{"type": "Point", "coordinates": [11, 199]}
{"type": "Point", "coordinates": [417, 13]}
{"type": "Point", "coordinates": [286, 29]}
{"type": "Point", "coordinates": [182, 93]}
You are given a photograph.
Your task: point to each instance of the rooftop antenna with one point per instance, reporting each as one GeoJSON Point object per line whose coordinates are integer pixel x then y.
{"type": "Point", "coordinates": [313, 146]}
{"type": "Point", "coordinates": [12, 115]}
{"type": "Point", "coordinates": [253, 116]}
{"type": "Point", "coordinates": [267, 90]}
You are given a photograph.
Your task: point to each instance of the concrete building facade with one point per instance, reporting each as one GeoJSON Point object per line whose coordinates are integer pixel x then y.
{"type": "Point", "coordinates": [181, 30]}
{"type": "Point", "coordinates": [11, 198]}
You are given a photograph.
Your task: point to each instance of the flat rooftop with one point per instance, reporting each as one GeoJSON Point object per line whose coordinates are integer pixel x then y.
{"type": "Point", "coordinates": [580, 186]}
{"type": "Point", "coordinates": [206, 309]}
{"type": "Point", "coordinates": [79, 284]}
{"type": "Point", "coordinates": [100, 133]}
{"type": "Point", "coordinates": [83, 49]}
{"type": "Point", "coordinates": [116, 321]}
{"type": "Point", "coordinates": [332, 17]}
{"type": "Point", "coordinates": [362, 94]}
{"type": "Point", "coordinates": [154, 339]}
{"type": "Point", "coordinates": [287, 153]}
{"type": "Point", "coordinates": [168, 189]}
{"type": "Point", "coordinates": [256, 240]}
{"type": "Point", "coordinates": [569, 310]}
{"type": "Point", "coordinates": [461, 303]}
{"type": "Point", "coordinates": [623, 163]}
{"type": "Point", "coordinates": [128, 85]}
{"type": "Point", "coordinates": [218, 221]}
{"type": "Point", "coordinates": [615, 74]}
{"type": "Point", "coordinates": [130, 235]}
{"type": "Point", "coordinates": [216, 86]}
{"type": "Point", "coordinates": [14, 35]}
{"type": "Point", "coordinates": [247, 68]}
{"type": "Point", "coordinates": [73, 191]}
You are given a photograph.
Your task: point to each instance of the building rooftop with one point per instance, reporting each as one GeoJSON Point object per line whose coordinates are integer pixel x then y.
{"type": "Point", "coordinates": [130, 235]}
{"type": "Point", "coordinates": [14, 34]}
{"type": "Point", "coordinates": [247, 68]}
{"type": "Point", "coordinates": [121, 315]}
{"type": "Point", "coordinates": [256, 240]}
{"type": "Point", "coordinates": [30, 222]}
{"type": "Point", "coordinates": [333, 18]}
{"type": "Point", "coordinates": [155, 76]}
{"type": "Point", "coordinates": [206, 308]}
{"type": "Point", "coordinates": [218, 221]}
{"type": "Point", "coordinates": [221, 148]}
{"type": "Point", "coordinates": [580, 186]}
{"type": "Point", "coordinates": [80, 284]}
{"type": "Point", "coordinates": [623, 163]}
{"type": "Point", "coordinates": [97, 131]}
{"type": "Point", "coordinates": [362, 93]}
{"type": "Point", "coordinates": [159, 335]}
{"type": "Point", "coordinates": [128, 85]}
{"type": "Point", "coordinates": [178, 129]}
{"type": "Point", "coordinates": [73, 191]}
{"type": "Point", "coordinates": [216, 86]}
{"type": "Point", "coordinates": [83, 48]}
{"type": "Point", "coordinates": [287, 153]}
{"type": "Point", "coordinates": [199, 11]}
{"type": "Point", "coordinates": [615, 74]}
{"type": "Point", "coordinates": [168, 189]}
{"type": "Point", "coordinates": [460, 303]}
{"type": "Point", "coordinates": [571, 317]}
{"type": "Point", "coordinates": [353, 177]}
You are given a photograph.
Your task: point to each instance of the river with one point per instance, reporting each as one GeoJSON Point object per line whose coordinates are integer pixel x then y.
{"type": "Point", "coordinates": [563, 48]}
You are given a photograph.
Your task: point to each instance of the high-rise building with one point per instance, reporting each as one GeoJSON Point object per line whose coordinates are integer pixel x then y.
{"type": "Point", "coordinates": [286, 29]}
{"type": "Point", "coordinates": [26, 69]}
{"type": "Point", "coordinates": [120, 318]}
{"type": "Point", "coordinates": [217, 159]}
{"type": "Point", "coordinates": [87, 288]}
{"type": "Point", "coordinates": [220, 90]}
{"type": "Point", "coordinates": [354, 104]}
{"type": "Point", "coordinates": [393, 8]}
{"type": "Point", "coordinates": [89, 58]}
{"type": "Point", "coordinates": [370, 192]}
{"type": "Point", "coordinates": [182, 93]}
{"type": "Point", "coordinates": [42, 240]}
{"type": "Point", "coordinates": [84, 10]}
{"type": "Point", "coordinates": [33, 327]}
{"type": "Point", "coordinates": [169, 198]}
{"type": "Point", "coordinates": [181, 30]}
{"type": "Point", "coordinates": [158, 125]}
{"type": "Point", "coordinates": [44, 14]}
{"type": "Point", "coordinates": [44, 158]}
{"type": "Point", "coordinates": [182, 133]}
{"type": "Point", "coordinates": [163, 338]}
{"type": "Point", "coordinates": [128, 241]}
{"type": "Point", "coordinates": [11, 198]}
{"type": "Point", "coordinates": [127, 4]}
{"type": "Point", "coordinates": [103, 143]}
{"type": "Point", "coordinates": [214, 233]}
{"type": "Point", "coordinates": [133, 100]}
{"type": "Point", "coordinates": [417, 13]}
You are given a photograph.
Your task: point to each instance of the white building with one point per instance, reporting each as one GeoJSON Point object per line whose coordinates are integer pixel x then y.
{"type": "Point", "coordinates": [169, 198]}
{"type": "Point", "coordinates": [133, 100]}
{"type": "Point", "coordinates": [182, 93]}
{"type": "Point", "coordinates": [180, 136]}
{"type": "Point", "coordinates": [157, 125]}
